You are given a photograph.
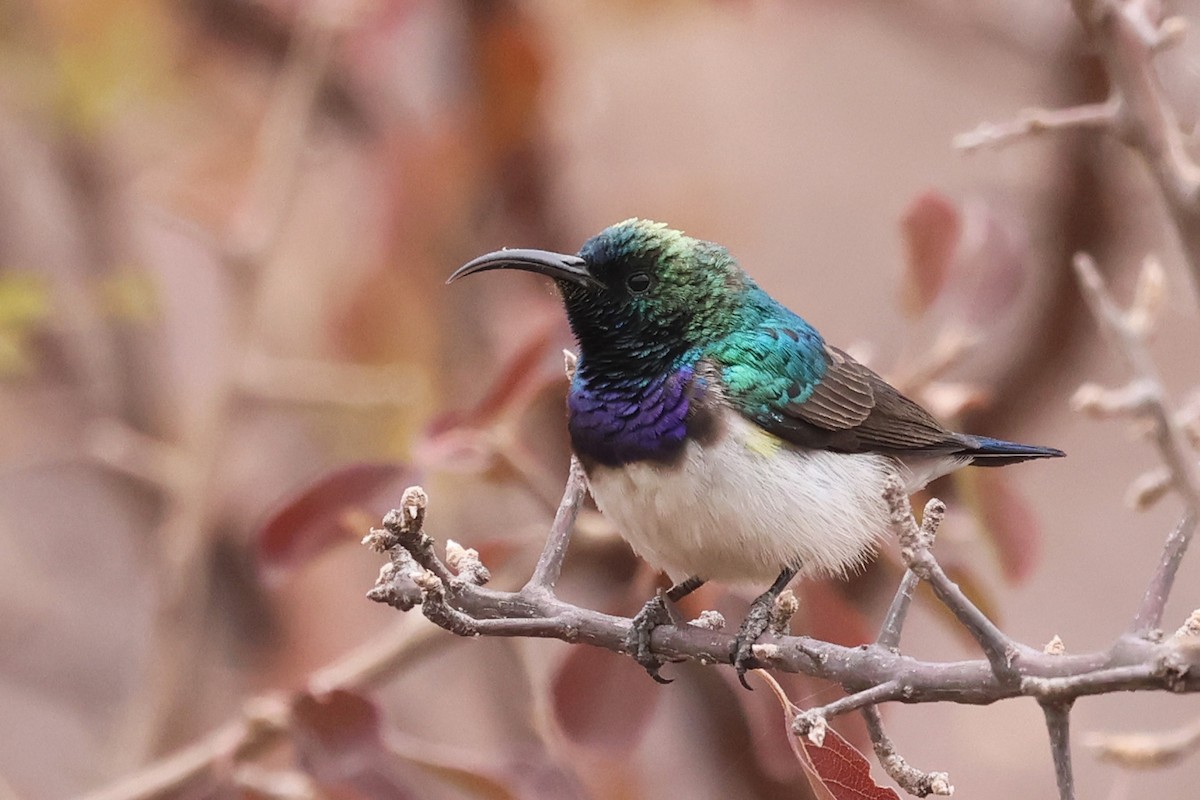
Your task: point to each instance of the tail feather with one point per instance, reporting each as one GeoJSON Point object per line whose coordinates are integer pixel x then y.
{"type": "Point", "coordinates": [986, 452]}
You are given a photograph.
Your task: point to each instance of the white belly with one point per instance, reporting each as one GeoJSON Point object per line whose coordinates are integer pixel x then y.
{"type": "Point", "coordinates": [747, 505]}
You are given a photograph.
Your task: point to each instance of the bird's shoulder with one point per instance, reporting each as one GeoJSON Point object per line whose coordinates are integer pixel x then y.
{"type": "Point", "coordinates": [780, 373]}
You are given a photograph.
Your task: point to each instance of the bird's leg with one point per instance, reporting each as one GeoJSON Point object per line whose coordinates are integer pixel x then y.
{"type": "Point", "coordinates": [656, 612]}
{"type": "Point", "coordinates": [756, 623]}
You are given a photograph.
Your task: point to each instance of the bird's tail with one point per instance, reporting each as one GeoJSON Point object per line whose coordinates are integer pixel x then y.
{"type": "Point", "coordinates": [987, 452]}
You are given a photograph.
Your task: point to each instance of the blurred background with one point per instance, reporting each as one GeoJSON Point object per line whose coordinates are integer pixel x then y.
{"type": "Point", "coordinates": [226, 346]}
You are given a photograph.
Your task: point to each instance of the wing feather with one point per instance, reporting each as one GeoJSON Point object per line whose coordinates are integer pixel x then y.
{"type": "Point", "coordinates": [829, 400]}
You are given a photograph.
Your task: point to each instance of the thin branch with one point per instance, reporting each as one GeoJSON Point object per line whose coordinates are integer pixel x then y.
{"type": "Point", "coordinates": [1171, 439]}
{"type": "Point", "coordinates": [262, 725]}
{"type": "Point", "coordinates": [118, 446]}
{"type": "Point", "coordinates": [305, 380]}
{"type": "Point", "coordinates": [1145, 397]}
{"type": "Point", "coordinates": [879, 693]}
{"type": "Point", "coordinates": [281, 143]}
{"type": "Point", "coordinates": [915, 544]}
{"type": "Point", "coordinates": [889, 632]}
{"type": "Point", "coordinates": [549, 564]}
{"type": "Point", "coordinates": [1131, 664]}
{"type": "Point", "coordinates": [1146, 750]}
{"type": "Point", "coordinates": [1150, 612]}
{"type": "Point", "coordinates": [1033, 121]}
{"type": "Point", "coordinates": [1058, 724]}
{"type": "Point", "coordinates": [1137, 113]}
{"type": "Point", "coordinates": [1147, 123]}
{"type": "Point", "coordinates": [912, 780]}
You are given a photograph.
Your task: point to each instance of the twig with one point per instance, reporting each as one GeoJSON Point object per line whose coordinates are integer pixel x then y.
{"type": "Point", "coordinates": [915, 549]}
{"type": "Point", "coordinates": [304, 380]}
{"type": "Point", "coordinates": [263, 723]}
{"type": "Point", "coordinates": [274, 784]}
{"type": "Point", "coordinates": [1058, 724]}
{"type": "Point", "coordinates": [1146, 397]}
{"type": "Point", "coordinates": [893, 622]}
{"type": "Point", "coordinates": [1038, 120]}
{"type": "Point", "coordinates": [1137, 113]}
{"type": "Point", "coordinates": [912, 780]}
{"type": "Point", "coordinates": [1171, 439]}
{"type": "Point", "coordinates": [281, 143]}
{"type": "Point", "coordinates": [1130, 664]}
{"type": "Point", "coordinates": [879, 693]}
{"type": "Point", "coordinates": [122, 448]}
{"type": "Point", "coordinates": [549, 564]}
{"type": "Point", "coordinates": [1145, 750]}
{"type": "Point", "coordinates": [1147, 123]}
{"type": "Point", "coordinates": [1150, 612]}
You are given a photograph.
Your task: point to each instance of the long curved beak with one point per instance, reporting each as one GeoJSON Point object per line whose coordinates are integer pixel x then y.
{"type": "Point", "coordinates": [559, 266]}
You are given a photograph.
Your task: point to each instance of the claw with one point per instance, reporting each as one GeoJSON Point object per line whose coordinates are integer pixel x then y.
{"type": "Point", "coordinates": [755, 625]}
{"type": "Point", "coordinates": [653, 614]}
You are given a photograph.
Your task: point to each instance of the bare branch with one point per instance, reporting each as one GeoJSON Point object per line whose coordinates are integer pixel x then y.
{"type": "Point", "coordinates": [1058, 724]}
{"type": "Point", "coordinates": [1150, 612]}
{"type": "Point", "coordinates": [915, 550]}
{"type": "Point", "coordinates": [1132, 664]}
{"type": "Point", "coordinates": [549, 565]}
{"type": "Point", "coordinates": [304, 380]}
{"type": "Point", "coordinates": [1127, 38]}
{"type": "Point", "coordinates": [1033, 121]}
{"type": "Point", "coordinates": [1171, 439]}
{"type": "Point", "coordinates": [806, 720]}
{"type": "Point", "coordinates": [1137, 113]}
{"type": "Point", "coordinates": [893, 622]}
{"type": "Point", "coordinates": [1145, 750]}
{"type": "Point", "coordinates": [909, 778]}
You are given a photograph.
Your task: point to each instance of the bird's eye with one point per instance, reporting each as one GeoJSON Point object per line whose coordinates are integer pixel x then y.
{"type": "Point", "coordinates": [638, 282]}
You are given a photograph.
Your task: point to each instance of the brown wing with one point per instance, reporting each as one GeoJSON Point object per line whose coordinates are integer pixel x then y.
{"type": "Point", "coordinates": [852, 409]}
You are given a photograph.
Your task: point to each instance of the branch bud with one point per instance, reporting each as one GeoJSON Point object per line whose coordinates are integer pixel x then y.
{"type": "Point", "coordinates": [709, 621]}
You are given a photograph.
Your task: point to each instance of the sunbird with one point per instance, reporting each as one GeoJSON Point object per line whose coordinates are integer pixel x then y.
{"type": "Point", "coordinates": [719, 432]}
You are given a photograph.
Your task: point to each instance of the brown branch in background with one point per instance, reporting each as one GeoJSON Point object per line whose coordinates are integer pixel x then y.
{"type": "Point", "coordinates": [1127, 38]}
{"type": "Point", "coordinates": [1038, 120]}
{"type": "Point", "coordinates": [305, 380]}
{"type": "Point", "coordinates": [246, 249]}
{"type": "Point", "coordinates": [1144, 397]}
{"type": "Point", "coordinates": [1145, 750]}
{"type": "Point", "coordinates": [1147, 398]}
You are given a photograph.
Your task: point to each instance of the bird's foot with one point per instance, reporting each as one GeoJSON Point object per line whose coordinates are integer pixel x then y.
{"type": "Point", "coordinates": [654, 613]}
{"type": "Point", "coordinates": [753, 626]}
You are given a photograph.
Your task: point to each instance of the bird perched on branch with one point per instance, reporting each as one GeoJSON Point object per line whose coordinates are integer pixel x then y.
{"type": "Point", "coordinates": [719, 432]}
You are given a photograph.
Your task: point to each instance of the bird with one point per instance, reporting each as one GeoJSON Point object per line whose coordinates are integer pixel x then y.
{"type": "Point", "coordinates": [719, 432]}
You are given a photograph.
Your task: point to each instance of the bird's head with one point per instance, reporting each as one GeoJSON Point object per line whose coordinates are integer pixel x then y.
{"type": "Point", "coordinates": [637, 288]}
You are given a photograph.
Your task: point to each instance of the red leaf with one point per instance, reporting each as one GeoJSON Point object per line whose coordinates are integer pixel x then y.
{"type": "Point", "coordinates": [932, 227]}
{"type": "Point", "coordinates": [1005, 517]}
{"type": "Point", "coordinates": [603, 700]}
{"type": "Point", "coordinates": [326, 513]}
{"type": "Point", "coordinates": [840, 770]}
{"type": "Point", "coordinates": [835, 769]}
{"type": "Point", "coordinates": [775, 752]}
{"type": "Point", "coordinates": [339, 742]}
